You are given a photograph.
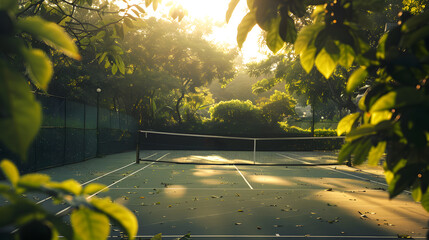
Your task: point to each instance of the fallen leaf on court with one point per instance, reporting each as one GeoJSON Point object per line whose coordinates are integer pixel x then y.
{"type": "Point", "coordinates": [142, 197]}
{"type": "Point", "coordinates": [331, 205]}
{"type": "Point", "coordinates": [329, 189]}
{"type": "Point", "coordinates": [312, 213]}
{"type": "Point", "coordinates": [192, 208]}
{"type": "Point", "coordinates": [170, 206]}
{"type": "Point", "coordinates": [404, 236]}
{"type": "Point", "coordinates": [319, 218]}
{"type": "Point", "coordinates": [277, 218]}
{"type": "Point", "coordinates": [214, 196]}
{"type": "Point", "coordinates": [157, 203]}
{"type": "Point", "coordinates": [299, 226]}
{"type": "Point", "coordinates": [238, 223]}
{"type": "Point", "coordinates": [125, 197]}
{"type": "Point", "coordinates": [240, 210]}
{"type": "Point", "coordinates": [259, 228]}
{"type": "Point", "coordinates": [151, 193]}
{"type": "Point", "coordinates": [236, 194]}
{"type": "Point", "coordinates": [278, 226]}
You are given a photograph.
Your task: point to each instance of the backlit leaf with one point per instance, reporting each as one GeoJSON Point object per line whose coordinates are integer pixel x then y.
{"type": "Point", "coordinates": [10, 171]}
{"type": "Point", "coordinates": [22, 113]}
{"type": "Point", "coordinates": [94, 188]}
{"type": "Point", "coordinates": [33, 180]}
{"type": "Point", "coordinates": [70, 186]}
{"type": "Point", "coordinates": [114, 69]}
{"type": "Point", "coordinates": [402, 97]}
{"type": "Point", "coordinates": [356, 79]}
{"type": "Point", "coordinates": [89, 225]}
{"type": "Point", "coordinates": [39, 67]}
{"type": "Point", "coordinates": [274, 41]}
{"type": "Point", "coordinates": [51, 33]}
{"type": "Point", "coordinates": [306, 36]}
{"type": "Point", "coordinates": [245, 26]}
{"type": "Point", "coordinates": [345, 125]}
{"type": "Point", "coordinates": [325, 63]}
{"type": "Point", "coordinates": [119, 213]}
{"type": "Point", "coordinates": [361, 131]}
{"type": "Point", "coordinates": [157, 237]}
{"type": "Point", "coordinates": [347, 55]}
{"type": "Point", "coordinates": [231, 7]}
{"type": "Point", "coordinates": [376, 153]}
{"type": "Point", "coordinates": [425, 201]}
{"type": "Point", "coordinates": [307, 58]}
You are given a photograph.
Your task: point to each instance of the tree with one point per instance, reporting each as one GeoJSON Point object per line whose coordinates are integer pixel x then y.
{"type": "Point", "coordinates": [278, 107]}
{"type": "Point", "coordinates": [395, 107]}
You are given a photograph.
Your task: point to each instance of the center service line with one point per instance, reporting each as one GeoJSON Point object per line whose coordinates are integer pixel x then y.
{"type": "Point", "coordinates": [120, 180]}
{"type": "Point", "coordinates": [244, 178]}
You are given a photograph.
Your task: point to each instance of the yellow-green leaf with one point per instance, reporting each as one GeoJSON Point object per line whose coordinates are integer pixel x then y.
{"type": "Point", "coordinates": [51, 33]}
{"type": "Point", "coordinates": [402, 97]}
{"type": "Point", "coordinates": [346, 124]}
{"type": "Point", "coordinates": [307, 58]}
{"type": "Point", "coordinates": [306, 36]}
{"type": "Point", "coordinates": [119, 213]}
{"type": "Point", "coordinates": [231, 7]}
{"type": "Point", "coordinates": [357, 78]}
{"type": "Point", "coordinates": [245, 26]}
{"type": "Point", "coordinates": [94, 188]}
{"type": "Point", "coordinates": [10, 171]}
{"type": "Point", "coordinates": [274, 41]}
{"type": "Point", "coordinates": [33, 180]}
{"type": "Point", "coordinates": [70, 186]}
{"type": "Point", "coordinates": [89, 225]}
{"type": "Point", "coordinates": [325, 63]}
{"type": "Point", "coordinates": [347, 55]}
{"type": "Point", "coordinates": [157, 237]}
{"type": "Point", "coordinates": [22, 116]}
{"type": "Point", "coordinates": [39, 67]}
{"type": "Point", "coordinates": [376, 153]}
{"type": "Point", "coordinates": [114, 69]}
{"type": "Point", "coordinates": [8, 5]}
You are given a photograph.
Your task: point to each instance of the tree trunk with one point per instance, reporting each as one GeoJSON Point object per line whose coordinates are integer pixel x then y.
{"type": "Point", "coordinates": [179, 117]}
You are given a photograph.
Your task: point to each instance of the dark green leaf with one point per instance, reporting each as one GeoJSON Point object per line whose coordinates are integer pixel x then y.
{"type": "Point", "coordinates": [23, 113]}
{"type": "Point", "coordinates": [265, 13]}
{"type": "Point", "coordinates": [64, 229]}
{"type": "Point", "coordinates": [346, 151]}
{"type": "Point", "coordinates": [361, 151]}
{"type": "Point", "coordinates": [406, 96]}
{"type": "Point", "coordinates": [361, 131]}
{"type": "Point", "coordinates": [425, 201]}
{"type": "Point", "coordinates": [403, 179]}
{"type": "Point", "coordinates": [8, 5]}
{"type": "Point", "coordinates": [287, 30]}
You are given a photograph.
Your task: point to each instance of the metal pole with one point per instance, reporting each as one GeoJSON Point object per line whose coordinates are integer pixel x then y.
{"type": "Point", "coordinates": [138, 149]}
{"type": "Point", "coordinates": [97, 154]}
{"type": "Point", "coordinates": [254, 151]}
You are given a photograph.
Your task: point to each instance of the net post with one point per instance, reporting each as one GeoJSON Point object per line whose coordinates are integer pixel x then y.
{"type": "Point", "coordinates": [138, 148]}
{"type": "Point", "coordinates": [254, 151]}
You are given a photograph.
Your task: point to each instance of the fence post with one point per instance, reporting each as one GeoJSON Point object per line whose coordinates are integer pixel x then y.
{"type": "Point", "coordinates": [138, 149]}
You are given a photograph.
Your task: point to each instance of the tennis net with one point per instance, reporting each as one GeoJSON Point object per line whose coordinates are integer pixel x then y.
{"type": "Point", "coordinates": [185, 148]}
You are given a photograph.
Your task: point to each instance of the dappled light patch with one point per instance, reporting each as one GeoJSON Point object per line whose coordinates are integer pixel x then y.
{"type": "Point", "coordinates": [271, 180]}
{"type": "Point", "coordinates": [175, 191]}
{"type": "Point", "coordinates": [211, 181]}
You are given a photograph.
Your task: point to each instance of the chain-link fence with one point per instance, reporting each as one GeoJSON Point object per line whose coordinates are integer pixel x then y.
{"type": "Point", "coordinates": [69, 134]}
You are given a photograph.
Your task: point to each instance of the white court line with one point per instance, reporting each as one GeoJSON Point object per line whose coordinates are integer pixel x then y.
{"type": "Point", "coordinates": [277, 236]}
{"type": "Point", "coordinates": [120, 180]}
{"type": "Point", "coordinates": [83, 184]}
{"type": "Point", "coordinates": [244, 178]}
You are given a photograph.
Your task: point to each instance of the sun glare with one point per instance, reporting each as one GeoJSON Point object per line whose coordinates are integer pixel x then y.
{"type": "Point", "coordinates": [215, 10]}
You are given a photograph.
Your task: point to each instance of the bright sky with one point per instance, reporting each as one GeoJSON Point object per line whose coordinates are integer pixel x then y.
{"type": "Point", "coordinates": [224, 33]}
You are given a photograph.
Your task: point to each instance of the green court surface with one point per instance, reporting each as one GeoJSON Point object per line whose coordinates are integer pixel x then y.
{"type": "Point", "coordinates": [249, 202]}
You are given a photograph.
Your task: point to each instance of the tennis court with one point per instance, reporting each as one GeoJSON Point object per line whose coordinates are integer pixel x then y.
{"type": "Point", "coordinates": [303, 197]}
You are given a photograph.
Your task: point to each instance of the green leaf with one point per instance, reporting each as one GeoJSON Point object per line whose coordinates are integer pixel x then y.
{"type": "Point", "coordinates": [361, 151]}
{"type": "Point", "coordinates": [346, 150]}
{"type": "Point", "coordinates": [21, 121]}
{"type": "Point", "coordinates": [346, 124]}
{"type": "Point", "coordinates": [347, 55]}
{"type": "Point", "coordinates": [119, 213]}
{"type": "Point", "coordinates": [402, 97]}
{"type": "Point", "coordinates": [376, 153]}
{"type": "Point", "coordinates": [306, 36]}
{"type": "Point", "coordinates": [157, 237]}
{"type": "Point", "coordinates": [361, 131]}
{"type": "Point", "coordinates": [307, 58]}
{"type": "Point", "coordinates": [94, 188]}
{"type": "Point", "coordinates": [33, 180]}
{"type": "Point", "coordinates": [356, 79]}
{"type": "Point", "coordinates": [245, 26]}
{"type": "Point", "coordinates": [89, 225]}
{"type": "Point", "coordinates": [425, 201]}
{"type": "Point", "coordinates": [274, 41]}
{"type": "Point", "coordinates": [70, 186]}
{"type": "Point", "coordinates": [51, 33]}
{"type": "Point", "coordinates": [100, 60]}
{"type": "Point", "coordinates": [287, 30]}
{"type": "Point", "coordinates": [379, 116]}
{"type": "Point", "coordinates": [403, 178]}
{"type": "Point", "coordinates": [415, 22]}
{"type": "Point", "coordinates": [120, 63]}
{"type": "Point", "coordinates": [325, 63]}
{"type": "Point", "coordinates": [417, 193]}
{"type": "Point", "coordinates": [10, 171]}
{"type": "Point", "coordinates": [39, 67]}
{"type": "Point", "coordinates": [231, 7]}
{"type": "Point", "coordinates": [63, 228]}
{"type": "Point", "coordinates": [114, 69]}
